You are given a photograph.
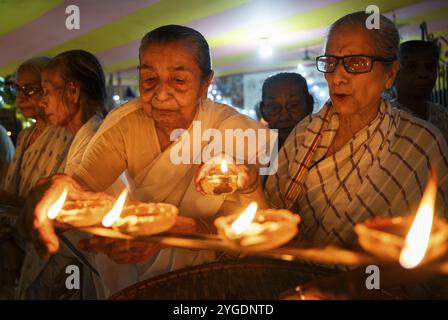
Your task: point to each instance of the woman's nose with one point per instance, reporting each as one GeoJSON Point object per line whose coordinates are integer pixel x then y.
{"type": "Point", "coordinates": [162, 91]}
{"type": "Point", "coordinates": [339, 75]}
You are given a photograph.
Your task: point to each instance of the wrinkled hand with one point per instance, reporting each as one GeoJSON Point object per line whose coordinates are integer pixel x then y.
{"type": "Point", "coordinates": [134, 251]}
{"type": "Point", "coordinates": [247, 175]}
{"type": "Point", "coordinates": [34, 225]}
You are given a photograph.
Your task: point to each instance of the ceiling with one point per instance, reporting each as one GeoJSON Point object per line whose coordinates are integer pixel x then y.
{"type": "Point", "coordinates": [112, 29]}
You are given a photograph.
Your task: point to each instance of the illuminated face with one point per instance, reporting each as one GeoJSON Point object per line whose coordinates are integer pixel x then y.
{"type": "Point", "coordinates": [171, 84]}
{"type": "Point", "coordinates": [58, 108]}
{"type": "Point", "coordinates": [356, 93]}
{"type": "Point", "coordinates": [29, 103]}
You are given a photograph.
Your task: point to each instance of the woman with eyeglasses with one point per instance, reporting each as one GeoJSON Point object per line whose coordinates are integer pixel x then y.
{"type": "Point", "coordinates": [358, 157]}
{"type": "Point", "coordinates": [285, 102]}
{"type": "Point", "coordinates": [74, 97]}
{"type": "Point", "coordinates": [39, 148]}
{"type": "Point", "coordinates": [39, 153]}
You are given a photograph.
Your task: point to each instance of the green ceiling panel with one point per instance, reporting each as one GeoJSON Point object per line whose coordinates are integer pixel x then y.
{"type": "Point", "coordinates": [16, 13]}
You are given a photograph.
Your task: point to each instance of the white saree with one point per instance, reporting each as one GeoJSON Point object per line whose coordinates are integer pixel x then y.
{"type": "Point", "coordinates": [381, 171]}
{"type": "Point", "coordinates": [127, 142]}
{"type": "Point", "coordinates": [43, 158]}
{"type": "Point", "coordinates": [39, 279]}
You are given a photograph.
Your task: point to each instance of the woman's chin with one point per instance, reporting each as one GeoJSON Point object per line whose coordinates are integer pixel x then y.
{"type": "Point", "coordinates": [346, 108]}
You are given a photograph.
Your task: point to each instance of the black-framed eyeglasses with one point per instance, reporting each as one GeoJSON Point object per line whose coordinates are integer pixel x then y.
{"type": "Point", "coordinates": [272, 110]}
{"type": "Point", "coordinates": [27, 90]}
{"type": "Point", "coordinates": [352, 64]}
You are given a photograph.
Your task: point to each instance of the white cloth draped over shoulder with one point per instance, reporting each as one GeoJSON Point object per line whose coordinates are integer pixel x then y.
{"type": "Point", "coordinates": [381, 171]}
{"type": "Point", "coordinates": [43, 158]}
{"type": "Point", "coordinates": [127, 142]}
{"type": "Point", "coordinates": [37, 275]}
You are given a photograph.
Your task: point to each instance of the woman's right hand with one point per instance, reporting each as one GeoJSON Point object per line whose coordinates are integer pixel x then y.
{"type": "Point", "coordinates": [34, 224]}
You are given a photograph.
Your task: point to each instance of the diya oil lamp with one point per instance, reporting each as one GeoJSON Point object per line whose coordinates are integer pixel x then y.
{"type": "Point", "coordinates": [258, 230]}
{"type": "Point", "coordinates": [144, 219]}
{"type": "Point", "coordinates": [139, 219]}
{"type": "Point", "coordinates": [221, 182]}
{"type": "Point", "coordinates": [408, 240]}
{"type": "Point", "coordinates": [78, 213]}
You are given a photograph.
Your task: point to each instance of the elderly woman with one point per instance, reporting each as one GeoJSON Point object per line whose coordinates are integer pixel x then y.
{"type": "Point", "coordinates": [137, 138]}
{"type": "Point", "coordinates": [41, 148]}
{"type": "Point", "coordinates": [40, 152]}
{"type": "Point", "coordinates": [285, 102]}
{"type": "Point", "coordinates": [358, 157]}
{"type": "Point", "coordinates": [74, 97]}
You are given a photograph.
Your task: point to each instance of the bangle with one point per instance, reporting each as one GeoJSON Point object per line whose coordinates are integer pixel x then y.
{"type": "Point", "coordinates": [299, 290]}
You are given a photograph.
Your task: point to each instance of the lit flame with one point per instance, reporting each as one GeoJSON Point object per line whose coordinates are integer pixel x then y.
{"type": "Point", "coordinates": [115, 212]}
{"type": "Point", "coordinates": [54, 209]}
{"type": "Point", "coordinates": [417, 240]}
{"type": "Point", "coordinates": [245, 219]}
{"type": "Point", "coordinates": [224, 168]}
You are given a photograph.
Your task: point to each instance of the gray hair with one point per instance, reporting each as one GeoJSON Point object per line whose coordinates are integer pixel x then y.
{"type": "Point", "coordinates": [189, 36]}
{"type": "Point", "coordinates": [386, 38]}
{"type": "Point", "coordinates": [34, 65]}
{"type": "Point", "coordinates": [85, 69]}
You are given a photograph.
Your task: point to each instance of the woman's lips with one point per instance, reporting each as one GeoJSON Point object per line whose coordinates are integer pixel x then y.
{"type": "Point", "coordinates": [340, 96]}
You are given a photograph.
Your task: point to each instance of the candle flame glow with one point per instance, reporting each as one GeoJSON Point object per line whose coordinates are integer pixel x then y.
{"type": "Point", "coordinates": [243, 222]}
{"type": "Point", "coordinates": [113, 215]}
{"type": "Point", "coordinates": [417, 240]}
{"type": "Point", "coordinates": [54, 209]}
{"type": "Point", "coordinates": [224, 168]}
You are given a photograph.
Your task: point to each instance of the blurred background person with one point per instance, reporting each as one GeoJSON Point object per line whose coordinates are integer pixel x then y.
{"type": "Point", "coordinates": [39, 149]}
{"type": "Point", "coordinates": [74, 97]}
{"type": "Point", "coordinates": [39, 153]}
{"type": "Point", "coordinates": [285, 102]}
{"type": "Point", "coordinates": [415, 82]}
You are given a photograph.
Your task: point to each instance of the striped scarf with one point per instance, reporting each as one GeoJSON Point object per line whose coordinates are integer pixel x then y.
{"type": "Point", "coordinates": [381, 171]}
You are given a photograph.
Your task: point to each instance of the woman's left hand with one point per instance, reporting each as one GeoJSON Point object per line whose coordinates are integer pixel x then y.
{"type": "Point", "coordinates": [247, 175]}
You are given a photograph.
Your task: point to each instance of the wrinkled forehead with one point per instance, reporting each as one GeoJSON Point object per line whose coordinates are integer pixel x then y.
{"type": "Point", "coordinates": [351, 39]}
{"type": "Point", "coordinates": [26, 77]}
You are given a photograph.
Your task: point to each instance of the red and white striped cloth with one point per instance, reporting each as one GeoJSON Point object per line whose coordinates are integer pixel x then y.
{"type": "Point", "coordinates": [381, 171]}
